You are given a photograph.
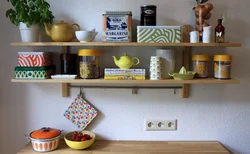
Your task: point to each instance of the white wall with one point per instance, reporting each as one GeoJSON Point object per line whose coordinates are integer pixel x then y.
{"type": "Point", "coordinates": [213, 112]}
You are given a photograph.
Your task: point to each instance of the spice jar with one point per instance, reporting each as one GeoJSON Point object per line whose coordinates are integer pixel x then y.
{"type": "Point", "coordinates": [148, 15]}
{"type": "Point", "coordinates": [222, 67]}
{"type": "Point", "coordinates": [89, 63]}
{"type": "Point", "coordinates": [200, 65]}
{"type": "Point", "coordinates": [68, 63]}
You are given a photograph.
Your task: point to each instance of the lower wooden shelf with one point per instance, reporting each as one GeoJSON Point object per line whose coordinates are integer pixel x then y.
{"type": "Point", "coordinates": [138, 147]}
{"type": "Point", "coordinates": [125, 82]}
{"type": "Point", "coordinates": [133, 84]}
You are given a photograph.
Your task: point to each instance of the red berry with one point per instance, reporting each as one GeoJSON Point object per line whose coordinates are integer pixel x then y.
{"type": "Point", "coordinates": [83, 139]}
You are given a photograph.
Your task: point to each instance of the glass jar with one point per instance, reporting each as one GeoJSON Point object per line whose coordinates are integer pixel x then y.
{"type": "Point", "coordinates": [89, 63]}
{"type": "Point", "coordinates": [68, 63]}
{"type": "Point", "coordinates": [222, 67]}
{"type": "Point", "coordinates": [200, 65]}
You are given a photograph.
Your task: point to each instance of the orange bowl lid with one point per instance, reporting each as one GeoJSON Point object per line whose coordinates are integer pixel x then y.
{"type": "Point", "coordinates": [45, 133]}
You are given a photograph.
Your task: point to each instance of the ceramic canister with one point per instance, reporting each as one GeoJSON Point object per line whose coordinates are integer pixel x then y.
{"type": "Point", "coordinates": [168, 61]}
{"type": "Point", "coordinates": [156, 68]}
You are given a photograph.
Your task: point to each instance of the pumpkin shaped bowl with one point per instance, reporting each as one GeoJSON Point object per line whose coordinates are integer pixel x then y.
{"type": "Point", "coordinates": [79, 145]}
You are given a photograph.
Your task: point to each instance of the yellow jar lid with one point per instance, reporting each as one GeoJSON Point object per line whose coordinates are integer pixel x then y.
{"type": "Point", "coordinates": [88, 52]}
{"type": "Point", "coordinates": [200, 57]}
{"type": "Point", "coordinates": [223, 57]}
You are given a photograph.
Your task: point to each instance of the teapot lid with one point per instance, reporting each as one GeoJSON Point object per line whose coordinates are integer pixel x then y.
{"type": "Point", "coordinates": [61, 22]}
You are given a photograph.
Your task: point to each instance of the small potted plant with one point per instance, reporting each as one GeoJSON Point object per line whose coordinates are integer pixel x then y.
{"type": "Point", "coordinates": [29, 16]}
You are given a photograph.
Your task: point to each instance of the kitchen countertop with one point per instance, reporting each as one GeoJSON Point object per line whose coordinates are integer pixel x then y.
{"type": "Point", "coordinates": [138, 147]}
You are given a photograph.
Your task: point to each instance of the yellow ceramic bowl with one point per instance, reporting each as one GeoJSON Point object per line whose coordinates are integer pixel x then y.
{"type": "Point", "coordinates": [79, 145]}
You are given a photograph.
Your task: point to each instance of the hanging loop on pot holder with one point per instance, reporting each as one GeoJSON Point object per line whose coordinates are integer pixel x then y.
{"type": "Point", "coordinates": [81, 92]}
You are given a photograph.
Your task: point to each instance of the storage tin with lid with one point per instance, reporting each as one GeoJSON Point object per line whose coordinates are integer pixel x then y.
{"type": "Point", "coordinates": [200, 65]}
{"type": "Point", "coordinates": [68, 64]}
{"type": "Point", "coordinates": [117, 26]}
{"type": "Point", "coordinates": [222, 67]}
{"type": "Point", "coordinates": [148, 15]}
{"type": "Point", "coordinates": [45, 139]}
{"type": "Point", "coordinates": [89, 63]}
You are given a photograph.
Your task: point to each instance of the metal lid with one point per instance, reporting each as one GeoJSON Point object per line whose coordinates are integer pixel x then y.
{"type": "Point", "coordinates": [88, 52]}
{"type": "Point", "coordinates": [200, 58]}
{"type": "Point", "coordinates": [223, 58]}
{"type": "Point", "coordinates": [45, 133]}
{"type": "Point", "coordinates": [117, 13]}
{"type": "Point", "coordinates": [154, 6]}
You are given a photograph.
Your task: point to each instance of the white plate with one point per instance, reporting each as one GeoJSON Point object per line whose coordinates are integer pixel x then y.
{"type": "Point", "coordinates": [63, 76]}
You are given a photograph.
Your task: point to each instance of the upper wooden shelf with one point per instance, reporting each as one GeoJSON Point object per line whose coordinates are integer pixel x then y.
{"type": "Point", "coordinates": [136, 147]}
{"type": "Point", "coordinates": [129, 82]}
{"type": "Point", "coordinates": [130, 44]}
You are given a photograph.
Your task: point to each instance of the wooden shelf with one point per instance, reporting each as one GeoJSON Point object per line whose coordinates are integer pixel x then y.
{"type": "Point", "coordinates": [129, 44]}
{"type": "Point", "coordinates": [129, 82]}
{"type": "Point", "coordinates": [127, 147]}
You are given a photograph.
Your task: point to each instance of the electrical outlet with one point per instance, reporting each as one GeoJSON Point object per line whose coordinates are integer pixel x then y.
{"type": "Point", "coordinates": [161, 125]}
{"type": "Point", "coordinates": [171, 124]}
{"type": "Point", "coordinates": [151, 125]}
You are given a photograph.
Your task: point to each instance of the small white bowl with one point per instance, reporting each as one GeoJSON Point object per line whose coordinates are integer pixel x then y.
{"type": "Point", "coordinates": [86, 36]}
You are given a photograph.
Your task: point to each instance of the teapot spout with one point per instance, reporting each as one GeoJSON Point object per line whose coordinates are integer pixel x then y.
{"type": "Point", "coordinates": [115, 60]}
{"type": "Point", "coordinates": [47, 29]}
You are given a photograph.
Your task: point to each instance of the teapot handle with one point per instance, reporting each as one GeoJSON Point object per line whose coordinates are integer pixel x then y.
{"type": "Point", "coordinates": [138, 61]}
{"type": "Point", "coordinates": [78, 27]}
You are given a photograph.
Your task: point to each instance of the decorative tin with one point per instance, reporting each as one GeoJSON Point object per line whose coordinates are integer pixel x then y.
{"type": "Point", "coordinates": [148, 15]}
{"type": "Point", "coordinates": [34, 72]}
{"type": "Point", "coordinates": [159, 34]}
{"type": "Point", "coordinates": [117, 26]}
{"type": "Point", "coordinates": [34, 59]}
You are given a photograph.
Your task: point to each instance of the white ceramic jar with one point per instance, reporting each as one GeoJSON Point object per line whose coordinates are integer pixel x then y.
{"type": "Point", "coordinates": [168, 61]}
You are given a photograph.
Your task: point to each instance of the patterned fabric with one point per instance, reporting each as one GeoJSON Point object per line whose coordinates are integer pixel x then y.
{"type": "Point", "coordinates": [159, 35]}
{"type": "Point", "coordinates": [80, 113]}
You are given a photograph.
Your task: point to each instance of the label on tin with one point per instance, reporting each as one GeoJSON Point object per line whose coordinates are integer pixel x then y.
{"type": "Point", "coordinates": [117, 28]}
{"type": "Point", "coordinates": [201, 69]}
{"type": "Point", "coordinates": [222, 71]}
{"type": "Point", "coordinates": [149, 11]}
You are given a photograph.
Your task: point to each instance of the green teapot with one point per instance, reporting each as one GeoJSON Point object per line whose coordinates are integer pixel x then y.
{"type": "Point", "coordinates": [126, 62]}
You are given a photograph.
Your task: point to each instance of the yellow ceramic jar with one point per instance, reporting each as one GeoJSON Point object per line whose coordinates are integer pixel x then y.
{"type": "Point", "coordinates": [200, 65]}
{"type": "Point", "coordinates": [222, 67]}
{"type": "Point", "coordinates": [89, 63]}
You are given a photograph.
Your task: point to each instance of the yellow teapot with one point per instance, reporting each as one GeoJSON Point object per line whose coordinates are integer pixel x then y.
{"type": "Point", "coordinates": [61, 32]}
{"type": "Point", "coordinates": [126, 62]}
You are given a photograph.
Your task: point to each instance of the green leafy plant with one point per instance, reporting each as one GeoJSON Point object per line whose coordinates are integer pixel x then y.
{"type": "Point", "coordinates": [30, 12]}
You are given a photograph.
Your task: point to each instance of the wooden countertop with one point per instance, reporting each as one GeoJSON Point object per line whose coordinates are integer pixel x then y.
{"type": "Point", "coordinates": [133, 147]}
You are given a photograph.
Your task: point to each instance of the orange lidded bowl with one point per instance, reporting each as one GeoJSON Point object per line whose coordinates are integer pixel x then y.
{"type": "Point", "coordinates": [45, 139]}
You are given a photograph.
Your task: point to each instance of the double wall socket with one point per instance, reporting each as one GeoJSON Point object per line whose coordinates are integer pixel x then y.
{"type": "Point", "coordinates": [161, 125]}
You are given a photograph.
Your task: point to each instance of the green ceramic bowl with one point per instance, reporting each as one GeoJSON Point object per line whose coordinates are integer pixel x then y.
{"type": "Point", "coordinates": [188, 76]}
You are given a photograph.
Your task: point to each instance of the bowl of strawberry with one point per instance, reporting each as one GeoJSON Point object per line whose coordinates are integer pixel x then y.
{"type": "Point", "coordinates": [79, 140]}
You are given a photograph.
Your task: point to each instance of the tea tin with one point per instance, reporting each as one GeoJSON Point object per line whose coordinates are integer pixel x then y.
{"type": "Point", "coordinates": [117, 26]}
